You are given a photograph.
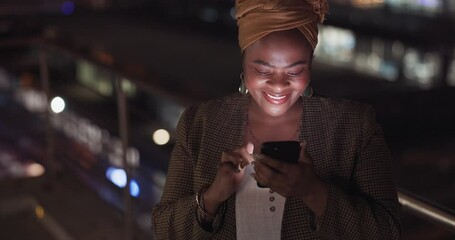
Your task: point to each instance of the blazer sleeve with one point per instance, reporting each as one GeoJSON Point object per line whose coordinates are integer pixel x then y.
{"type": "Point", "coordinates": [174, 217]}
{"type": "Point", "coordinates": [370, 209]}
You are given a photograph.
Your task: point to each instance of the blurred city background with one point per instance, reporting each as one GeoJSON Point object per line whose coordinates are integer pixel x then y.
{"type": "Point", "coordinates": [91, 92]}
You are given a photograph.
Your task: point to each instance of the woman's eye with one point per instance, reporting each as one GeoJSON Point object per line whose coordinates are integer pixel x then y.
{"type": "Point", "coordinates": [295, 73]}
{"type": "Point", "coordinates": [261, 72]}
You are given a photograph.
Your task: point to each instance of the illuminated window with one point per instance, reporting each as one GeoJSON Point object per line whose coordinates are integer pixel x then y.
{"type": "Point", "coordinates": [100, 80]}
{"type": "Point", "coordinates": [421, 69]}
{"type": "Point", "coordinates": [94, 78]}
{"type": "Point", "coordinates": [372, 56]}
{"type": "Point", "coordinates": [428, 7]}
{"type": "Point", "coordinates": [336, 44]}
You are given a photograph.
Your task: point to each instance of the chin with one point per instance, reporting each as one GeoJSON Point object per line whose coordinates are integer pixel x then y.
{"type": "Point", "coordinates": [276, 112]}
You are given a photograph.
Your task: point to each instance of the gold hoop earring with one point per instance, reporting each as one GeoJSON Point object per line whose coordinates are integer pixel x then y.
{"type": "Point", "coordinates": [242, 88]}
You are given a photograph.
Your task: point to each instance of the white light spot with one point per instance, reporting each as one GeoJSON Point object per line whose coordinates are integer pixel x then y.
{"type": "Point", "coordinates": [161, 137]}
{"type": "Point", "coordinates": [57, 105]}
{"type": "Point", "coordinates": [34, 170]}
{"type": "Point", "coordinates": [117, 176]}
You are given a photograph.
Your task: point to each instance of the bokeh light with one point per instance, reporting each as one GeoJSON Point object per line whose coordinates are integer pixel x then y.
{"type": "Point", "coordinates": [57, 105]}
{"type": "Point", "coordinates": [67, 8]}
{"type": "Point", "coordinates": [161, 137]}
{"type": "Point", "coordinates": [39, 212]}
{"type": "Point", "coordinates": [34, 170]}
{"type": "Point", "coordinates": [118, 177]}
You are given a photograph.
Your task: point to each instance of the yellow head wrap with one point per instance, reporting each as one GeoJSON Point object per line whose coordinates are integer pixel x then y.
{"type": "Point", "coordinates": [257, 18]}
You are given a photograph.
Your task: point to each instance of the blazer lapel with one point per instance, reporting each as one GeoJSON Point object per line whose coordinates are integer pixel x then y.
{"type": "Point", "coordinates": [309, 132]}
{"type": "Point", "coordinates": [231, 123]}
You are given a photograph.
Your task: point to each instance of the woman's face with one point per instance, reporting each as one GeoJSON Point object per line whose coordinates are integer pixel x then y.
{"type": "Point", "coordinates": [277, 70]}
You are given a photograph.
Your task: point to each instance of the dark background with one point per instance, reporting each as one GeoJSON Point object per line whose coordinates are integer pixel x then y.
{"type": "Point", "coordinates": [395, 55]}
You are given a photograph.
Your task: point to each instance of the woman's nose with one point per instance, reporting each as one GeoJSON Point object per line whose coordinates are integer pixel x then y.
{"type": "Point", "coordinates": [278, 81]}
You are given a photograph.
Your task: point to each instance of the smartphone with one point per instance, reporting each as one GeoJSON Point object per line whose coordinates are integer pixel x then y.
{"type": "Point", "coordinates": [286, 151]}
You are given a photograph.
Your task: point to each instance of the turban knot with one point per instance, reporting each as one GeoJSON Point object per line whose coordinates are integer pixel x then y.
{"type": "Point", "coordinates": [257, 18]}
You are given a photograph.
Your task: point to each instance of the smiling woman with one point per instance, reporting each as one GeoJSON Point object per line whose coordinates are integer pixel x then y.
{"type": "Point", "coordinates": [342, 185]}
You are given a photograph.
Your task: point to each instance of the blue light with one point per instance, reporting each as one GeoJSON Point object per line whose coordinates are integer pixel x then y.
{"type": "Point", "coordinates": [118, 177]}
{"type": "Point", "coordinates": [134, 188]}
{"type": "Point", "coordinates": [67, 8]}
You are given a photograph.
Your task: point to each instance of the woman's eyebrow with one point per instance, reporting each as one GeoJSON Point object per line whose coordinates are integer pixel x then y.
{"type": "Point", "coordinates": [261, 62]}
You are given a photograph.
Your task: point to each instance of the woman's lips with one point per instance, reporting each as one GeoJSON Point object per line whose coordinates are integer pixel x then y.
{"type": "Point", "coordinates": [276, 98]}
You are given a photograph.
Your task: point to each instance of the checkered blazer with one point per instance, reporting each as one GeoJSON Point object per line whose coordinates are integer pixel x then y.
{"type": "Point", "coordinates": [349, 154]}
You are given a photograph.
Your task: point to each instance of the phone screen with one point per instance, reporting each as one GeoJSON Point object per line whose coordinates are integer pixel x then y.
{"type": "Point", "coordinates": [286, 151]}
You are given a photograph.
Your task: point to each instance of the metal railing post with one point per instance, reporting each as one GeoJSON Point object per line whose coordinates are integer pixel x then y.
{"type": "Point", "coordinates": [123, 130]}
{"type": "Point", "coordinates": [50, 148]}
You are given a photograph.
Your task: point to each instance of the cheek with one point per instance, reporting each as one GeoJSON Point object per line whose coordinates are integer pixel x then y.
{"type": "Point", "coordinates": [300, 84]}
{"type": "Point", "coordinates": [304, 83]}
{"type": "Point", "coordinates": [254, 82]}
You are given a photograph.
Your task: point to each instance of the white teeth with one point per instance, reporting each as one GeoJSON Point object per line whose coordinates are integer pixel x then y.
{"type": "Point", "coordinates": [276, 97]}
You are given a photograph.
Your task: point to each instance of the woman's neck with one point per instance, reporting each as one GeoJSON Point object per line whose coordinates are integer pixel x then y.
{"type": "Point", "coordinates": [261, 127]}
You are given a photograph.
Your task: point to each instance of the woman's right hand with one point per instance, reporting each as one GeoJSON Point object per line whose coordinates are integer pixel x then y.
{"type": "Point", "coordinates": [228, 178]}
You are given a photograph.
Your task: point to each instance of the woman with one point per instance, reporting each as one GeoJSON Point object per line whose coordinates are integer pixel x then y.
{"type": "Point", "coordinates": [342, 185]}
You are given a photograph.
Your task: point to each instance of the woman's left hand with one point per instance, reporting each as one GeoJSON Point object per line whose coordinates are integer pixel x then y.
{"type": "Point", "coordinates": [287, 179]}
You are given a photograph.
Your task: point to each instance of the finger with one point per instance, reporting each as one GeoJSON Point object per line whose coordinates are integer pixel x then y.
{"type": "Point", "coordinates": [272, 163]}
{"type": "Point", "coordinates": [231, 156]}
{"type": "Point", "coordinates": [232, 159]}
{"type": "Point", "coordinates": [245, 153]}
{"type": "Point", "coordinates": [259, 179]}
{"type": "Point", "coordinates": [263, 173]}
{"type": "Point", "coordinates": [304, 157]}
{"type": "Point", "coordinates": [240, 157]}
{"type": "Point", "coordinates": [250, 148]}
{"type": "Point", "coordinates": [228, 166]}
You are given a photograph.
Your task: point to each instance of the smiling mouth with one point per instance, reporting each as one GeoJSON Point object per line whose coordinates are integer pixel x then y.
{"type": "Point", "coordinates": [275, 97]}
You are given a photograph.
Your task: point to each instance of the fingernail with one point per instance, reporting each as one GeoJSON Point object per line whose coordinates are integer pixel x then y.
{"type": "Point", "coordinates": [250, 148]}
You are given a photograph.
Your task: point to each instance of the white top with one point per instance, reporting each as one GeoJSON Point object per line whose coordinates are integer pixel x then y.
{"type": "Point", "coordinates": [258, 211]}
